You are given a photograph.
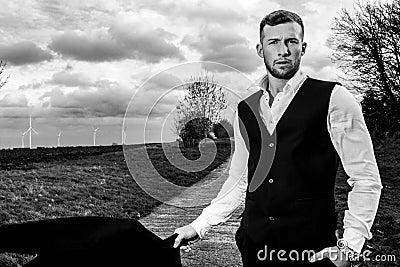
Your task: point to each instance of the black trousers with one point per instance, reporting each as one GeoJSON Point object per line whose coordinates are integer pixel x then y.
{"type": "Point", "coordinates": [262, 255]}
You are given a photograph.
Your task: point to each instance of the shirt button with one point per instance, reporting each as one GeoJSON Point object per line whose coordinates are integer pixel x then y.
{"type": "Point", "coordinates": [271, 218]}
{"type": "Point", "coordinates": [271, 181]}
{"type": "Point", "coordinates": [271, 144]}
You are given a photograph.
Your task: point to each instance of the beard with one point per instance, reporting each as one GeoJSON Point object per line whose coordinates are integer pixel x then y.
{"type": "Point", "coordinates": [285, 74]}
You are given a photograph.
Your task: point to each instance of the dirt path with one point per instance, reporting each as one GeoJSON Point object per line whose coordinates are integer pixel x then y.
{"type": "Point", "coordinates": [218, 248]}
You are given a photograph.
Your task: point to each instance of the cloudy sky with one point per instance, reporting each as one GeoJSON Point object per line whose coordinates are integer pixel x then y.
{"type": "Point", "coordinates": [74, 65]}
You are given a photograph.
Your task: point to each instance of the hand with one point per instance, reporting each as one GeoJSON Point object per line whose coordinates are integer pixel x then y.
{"type": "Point", "coordinates": [334, 254]}
{"type": "Point", "coordinates": [185, 234]}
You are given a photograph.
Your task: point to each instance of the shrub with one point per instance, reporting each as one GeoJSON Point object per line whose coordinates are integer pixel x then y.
{"type": "Point", "coordinates": [194, 131]}
{"type": "Point", "coordinates": [223, 129]}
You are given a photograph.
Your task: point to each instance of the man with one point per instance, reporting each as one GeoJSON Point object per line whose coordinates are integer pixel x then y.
{"type": "Point", "coordinates": [289, 137]}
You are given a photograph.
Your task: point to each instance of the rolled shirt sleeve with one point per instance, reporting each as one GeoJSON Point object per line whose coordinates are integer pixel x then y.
{"type": "Point", "coordinates": [232, 192]}
{"type": "Point", "coordinates": [352, 141]}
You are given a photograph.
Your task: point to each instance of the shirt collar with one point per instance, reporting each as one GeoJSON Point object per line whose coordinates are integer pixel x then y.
{"type": "Point", "coordinates": [292, 85]}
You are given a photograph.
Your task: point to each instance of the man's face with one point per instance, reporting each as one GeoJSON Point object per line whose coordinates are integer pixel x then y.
{"type": "Point", "coordinates": [282, 48]}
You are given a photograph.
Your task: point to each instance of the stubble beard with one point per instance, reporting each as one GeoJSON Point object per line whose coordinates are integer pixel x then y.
{"type": "Point", "coordinates": [281, 74]}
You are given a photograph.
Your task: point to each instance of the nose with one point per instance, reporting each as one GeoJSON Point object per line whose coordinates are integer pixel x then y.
{"type": "Point", "coordinates": [283, 49]}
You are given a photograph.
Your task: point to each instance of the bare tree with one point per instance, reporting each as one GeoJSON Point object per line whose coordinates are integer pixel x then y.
{"type": "Point", "coordinates": [203, 98]}
{"type": "Point", "coordinates": [2, 66]}
{"type": "Point", "coordinates": [367, 49]}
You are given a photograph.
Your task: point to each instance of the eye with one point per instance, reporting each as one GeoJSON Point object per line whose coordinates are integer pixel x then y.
{"type": "Point", "coordinates": [273, 42]}
{"type": "Point", "coordinates": [293, 41]}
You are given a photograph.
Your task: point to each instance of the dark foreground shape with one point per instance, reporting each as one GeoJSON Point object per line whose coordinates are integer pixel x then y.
{"type": "Point", "coordinates": [89, 241]}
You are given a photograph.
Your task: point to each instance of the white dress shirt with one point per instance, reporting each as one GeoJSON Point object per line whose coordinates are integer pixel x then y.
{"type": "Point", "coordinates": [349, 136]}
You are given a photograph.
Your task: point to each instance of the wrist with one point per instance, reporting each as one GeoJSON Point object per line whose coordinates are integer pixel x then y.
{"type": "Point", "coordinates": [351, 255]}
{"type": "Point", "coordinates": [200, 225]}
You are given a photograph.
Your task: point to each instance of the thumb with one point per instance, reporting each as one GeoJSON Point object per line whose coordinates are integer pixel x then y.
{"type": "Point", "coordinates": [178, 240]}
{"type": "Point", "coordinates": [319, 256]}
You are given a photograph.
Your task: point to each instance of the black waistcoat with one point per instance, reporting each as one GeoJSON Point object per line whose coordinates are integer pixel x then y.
{"type": "Point", "coordinates": [291, 173]}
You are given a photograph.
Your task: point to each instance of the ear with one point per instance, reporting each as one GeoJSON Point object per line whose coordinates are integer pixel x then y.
{"type": "Point", "coordinates": [303, 48]}
{"type": "Point", "coordinates": [260, 51]}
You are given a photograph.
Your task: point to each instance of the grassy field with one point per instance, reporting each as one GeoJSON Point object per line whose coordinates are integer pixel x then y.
{"type": "Point", "coordinates": [96, 181]}
{"type": "Point", "coordinates": [48, 183]}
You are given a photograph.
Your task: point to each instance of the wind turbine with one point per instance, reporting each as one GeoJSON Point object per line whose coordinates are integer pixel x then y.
{"type": "Point", "coordinates": [58, 139]}
{"type": "Point", "coordinates": [30, 129]}
{"type": "Point", "coordinates": [124, 135]}
{"type": "Point", "coordinates": [94, 135]}
{"type": "Point", "coordinates": [22, 140]}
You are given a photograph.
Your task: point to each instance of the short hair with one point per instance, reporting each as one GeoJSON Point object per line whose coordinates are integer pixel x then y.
{"type": "Point", "coordinates": [280, 17]}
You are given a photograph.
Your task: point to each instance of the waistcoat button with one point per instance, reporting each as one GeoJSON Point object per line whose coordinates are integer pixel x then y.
{"type": "Point", "coordinates": [271, 144]}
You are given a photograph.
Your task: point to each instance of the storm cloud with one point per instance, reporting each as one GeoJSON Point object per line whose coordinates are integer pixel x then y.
{"type": "Point", "coordinates": [218, 45]}
{"type": "Point", "coordinates": [105, 98]}
{"type": "Point", "coordinates": [23, 53]}
{"type": "Point", "coordinates": [118, 42]}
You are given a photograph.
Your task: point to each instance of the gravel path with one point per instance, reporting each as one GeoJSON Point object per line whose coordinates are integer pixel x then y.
{"type": "Point", "coordinates": [218, 248]}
